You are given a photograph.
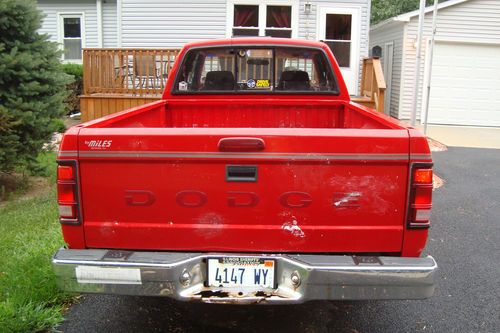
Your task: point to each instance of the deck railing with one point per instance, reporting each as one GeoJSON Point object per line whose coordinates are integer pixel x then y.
{"type": "Point", "coordinates": [373, 82]}
{"type": "Point", "coordinates": [116, 79]}
{"type": "Point", "coordinates": [140, 72]}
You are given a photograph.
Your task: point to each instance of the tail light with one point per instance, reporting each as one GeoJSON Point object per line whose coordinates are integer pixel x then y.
{"type": "Point", "coordinates": [419, 208]}
{"type": "Point", "coordinates": [67, 192]}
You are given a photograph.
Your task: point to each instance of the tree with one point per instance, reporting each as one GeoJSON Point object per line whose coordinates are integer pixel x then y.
{"type": "Point", "coordinates": [384, 9]}
{"type": "Point", "coordinates": [32, 85]}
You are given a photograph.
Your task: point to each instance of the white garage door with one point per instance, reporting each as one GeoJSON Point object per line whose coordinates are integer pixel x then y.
{"type": "Point", "coordinates": [465, 85]}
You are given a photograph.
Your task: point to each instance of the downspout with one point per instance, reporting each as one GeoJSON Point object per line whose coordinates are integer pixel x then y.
{"type": "Point", "coordinates": [431, 55]}
{"type": "Point", "coordinates": [99, 23]}
{"type": "Point", "coordinates": [421, 18]}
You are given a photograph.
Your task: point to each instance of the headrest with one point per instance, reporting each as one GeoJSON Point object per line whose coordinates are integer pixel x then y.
{"type": "Point", "coordinates": [297, 76]}
{"type": "Point", "coordinates": [220, 76]}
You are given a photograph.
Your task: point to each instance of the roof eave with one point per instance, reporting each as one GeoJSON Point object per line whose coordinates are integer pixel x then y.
{"type": "Point", "coordinates": [406, 17]}
{"type": "Point", "coordinates": [386, 23]}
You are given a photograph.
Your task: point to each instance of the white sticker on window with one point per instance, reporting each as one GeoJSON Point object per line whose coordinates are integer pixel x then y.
{"type": "Point", "coordinates": [183, 86]}
{"type": "Point", "coordinates": [108, 275]}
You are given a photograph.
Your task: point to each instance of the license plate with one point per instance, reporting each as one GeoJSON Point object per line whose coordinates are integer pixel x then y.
{"type": "Point", "coordinates": [241, 272]}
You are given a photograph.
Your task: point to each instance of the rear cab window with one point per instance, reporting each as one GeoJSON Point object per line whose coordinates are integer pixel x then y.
{"type": "Point", "coordinates": [255, 70]}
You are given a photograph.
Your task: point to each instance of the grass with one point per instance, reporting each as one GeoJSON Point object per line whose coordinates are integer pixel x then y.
{"type": "Point", "coordinates": [29, 236]}
{"type": "Point", "coordinates": [18, 183]}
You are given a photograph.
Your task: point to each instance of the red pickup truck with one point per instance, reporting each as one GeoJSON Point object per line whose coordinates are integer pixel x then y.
{"type": "Point", "coordinates": [254, 179]}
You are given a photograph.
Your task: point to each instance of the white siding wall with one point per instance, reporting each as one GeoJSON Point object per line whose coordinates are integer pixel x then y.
{"type": "Point", "coordinates": [171, 23]}
{"type": "Point", "coordinates": [476, 21]}
{"type": "Point", "coordinates": [174, 23]}
{"type": "Point", "coordinates": [386, 34]}
{"type": "Point", "coordinates": [308, 22]}
{"type": "Point", "coordinates": [109, 24]}
{"type": "Point", "coordinates": [51, 7]}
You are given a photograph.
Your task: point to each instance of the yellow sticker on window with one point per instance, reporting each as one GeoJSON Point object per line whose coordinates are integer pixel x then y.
{"type": "Point", "coordinates": [262, 84]}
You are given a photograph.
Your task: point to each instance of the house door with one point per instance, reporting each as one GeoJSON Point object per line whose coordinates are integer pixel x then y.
{"type": "Point", "coordinates": [387, 57]}
{"type": "Point", "coordinates": [339, 28]}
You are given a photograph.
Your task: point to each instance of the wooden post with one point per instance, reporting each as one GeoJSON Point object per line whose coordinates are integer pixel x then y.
{"type": "Point", "coordinates": [86, 67]}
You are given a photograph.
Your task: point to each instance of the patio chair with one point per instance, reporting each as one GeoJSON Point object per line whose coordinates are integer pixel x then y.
{"type": "Point", "coordinates": [123, 76]}
{"type": "Point", "coordinates": [146, 71]}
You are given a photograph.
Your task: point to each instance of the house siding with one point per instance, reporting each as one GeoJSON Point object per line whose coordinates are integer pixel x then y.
{"type": "Point", "coordinates": [176, 23]}
{"type": "Point", "coordinates": [391, 33]}
{"type": "Point", "coordinates": [171, 24]}
{"type": "Point", "coordinates": [475, 21]}
{"type": "Point", "coordinates": [109, 24]}
{"type": "Point", "coordinates": [50, 8]}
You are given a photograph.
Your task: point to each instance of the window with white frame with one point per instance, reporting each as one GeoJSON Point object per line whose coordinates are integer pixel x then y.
{"type": "Point", "coordinates": [338, 37]}
{"type": "Point", "coordinates": [246, 20]}
{"type": "Point", "coordinates": [71, 36]}
{"type": "Point", "coordinates": [258, 18]}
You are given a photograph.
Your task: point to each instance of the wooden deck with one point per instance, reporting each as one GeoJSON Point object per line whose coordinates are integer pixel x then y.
{"type": "Point", "coordinates": [117, 79]}
{"type": "Point", "coordinates": [126, 71]}
{"type": "Point", "coordinates": [99, 105]}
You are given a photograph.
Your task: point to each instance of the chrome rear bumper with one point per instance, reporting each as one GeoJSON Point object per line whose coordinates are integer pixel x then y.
{"type": "Point", "coordinates": [299, 278]}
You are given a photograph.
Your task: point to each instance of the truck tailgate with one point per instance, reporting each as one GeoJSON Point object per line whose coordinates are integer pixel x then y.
{"type": "Point", "coordinates": [300, 190]}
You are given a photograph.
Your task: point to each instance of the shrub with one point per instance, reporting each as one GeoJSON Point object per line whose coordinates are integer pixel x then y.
{"type": "Point", "coordinates": [75, 88]}
{"type": "Point", "coordinates": [74, 69]}
{"type": "Point", "coordinates": [32, 85]}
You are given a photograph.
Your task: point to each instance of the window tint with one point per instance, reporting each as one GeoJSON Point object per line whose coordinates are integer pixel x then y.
{"type": "Point", "coordinates": [250, 70]}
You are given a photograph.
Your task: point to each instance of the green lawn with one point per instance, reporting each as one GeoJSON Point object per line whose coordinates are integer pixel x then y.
{"type": "Point", "coordinates": [29, 236]}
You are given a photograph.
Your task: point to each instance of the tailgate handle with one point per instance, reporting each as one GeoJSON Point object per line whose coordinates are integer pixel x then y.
{"type": "Point", "coordinates": [241, 173]}
{"type": "Point", "coordinates": [241, 144]}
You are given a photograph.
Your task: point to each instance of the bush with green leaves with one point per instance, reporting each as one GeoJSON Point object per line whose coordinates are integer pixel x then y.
{"type": "Point", "coordinates": [75, 88]}
{"type": "Point", "coordinates": [76, 70]}
{"type": "Point", "coordinates": [32, 85]}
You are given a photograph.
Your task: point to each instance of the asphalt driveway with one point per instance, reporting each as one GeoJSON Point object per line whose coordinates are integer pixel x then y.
{"type": "Point", "coordinates": [465, 240]}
